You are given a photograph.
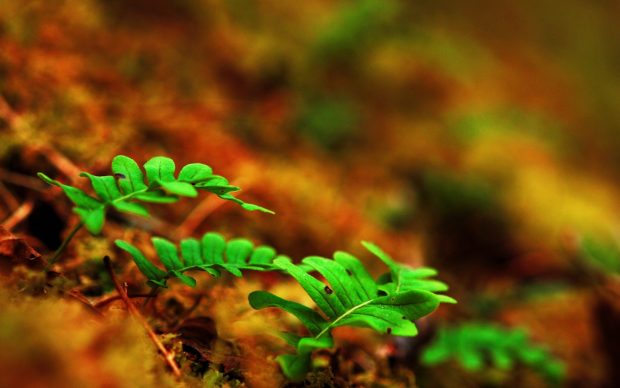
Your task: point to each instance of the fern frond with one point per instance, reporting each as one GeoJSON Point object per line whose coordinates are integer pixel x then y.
{"type": "Point", "coordinates": [350, 298]}
{"type": "Point", "coordinates": [475, 344]}
{"type": "Point", "coordinates": [128, 187]}
{"type": "Point", "coordinates": [402, 277]}
{"type": "Point", "coordinates": [211, 254]}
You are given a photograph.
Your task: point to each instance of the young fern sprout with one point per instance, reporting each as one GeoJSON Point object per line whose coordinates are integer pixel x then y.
{"type": "Point", "coordinates": [211, 254]}
{"type": "Point", "coordinates": [127, 191]}
{"type": "Point", "coordinates": [352, 297]}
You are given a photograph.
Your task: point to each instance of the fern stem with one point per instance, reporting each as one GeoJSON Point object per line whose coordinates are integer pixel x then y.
{"type": "Point", "coordinates": [108, 300]}
{"type": "Point", "coordinates": [64, 244]}
{"type": "Point", "coordinates": [79, 226]}
{"type": "Point", "coordinates": [131, 195]}
{"type": "Point", "coordinates": [346, 313]}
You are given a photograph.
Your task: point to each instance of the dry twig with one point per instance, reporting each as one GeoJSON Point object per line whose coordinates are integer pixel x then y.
{"type": "Point", "coordinates": [26, 181]}
{"type": "Point", "coordinates": [200, 213]}
{"type": "Point", "coordinates": [74, 294]}
{"type": "Point", "coordinates": [61, 162]}
{"type": "Point", "coordinates": [168, 356]}
{"type": "Point", "coordinates": [9, 199]}
{"type": "Point", "coordinates": [19, 215]}
{"type": "Point", "coordinates": [106, 301]}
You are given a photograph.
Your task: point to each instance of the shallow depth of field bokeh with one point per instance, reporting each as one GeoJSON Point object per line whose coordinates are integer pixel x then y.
{"type": "Point", "coordinates": [482, 140]}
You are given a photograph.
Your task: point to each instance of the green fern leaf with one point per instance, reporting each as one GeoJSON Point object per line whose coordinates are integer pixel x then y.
{"type": "Point", "coordinates": [312, 320]}
{"type": "Point", "coordinates": [213, 247]}
{"type": "Point", "coordinates": [350, 298]}
{"type": "Point", "coordinates": [403, 277]}
{"type": "Point", "coordinates": [127, 187]}
{"type": "Point", "coordinates": [180, 188]}
{"type": "Point", "coordinates": [195, 172]}
{"type": "Point", "coordinates": [160, 172]}
{"type": "Point", "coordinates": [238, 251]}
{"type": "Point", "coordinates": [156, 197]}
{"type": "Point", "coordinates": [297, 365]}
{"type": "Point", "coordinates": [212, 254]}
{"type": "Point", "coordinates": [90, 210]}
{"type": "Point", "coordinates": [77, 196]}
{"type": "Point", "coordinates": [217, 185]}
{"type": "Point", "coordinates": [146, 267]}
{"type": "Point", "coordinates": [191, 252]}
{"type": "Point", "coordinates": [345, 302]}
{"type": "Point", "coordinates": [129, 174]}
{"type": "Point", "coordinates": [263, 255]}
{"type": "Point", "coordinates": [93, 219]}
{"type": "Point", "coordinates": [105, 186]}
{"type": "Point", "coordinates": [160, 169]}
{"type": "Point", "coordinates": [252, 207]}
{"type": "Point", "coordinates": [245, 205]}
{"type": "Point", "coordinates": [167, 253]}
{"type": "Point", "coordinates": [131, 208]}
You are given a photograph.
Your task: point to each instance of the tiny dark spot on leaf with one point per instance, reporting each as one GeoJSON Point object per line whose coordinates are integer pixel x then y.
{"type": "Point", "coordinates": [349, 273]}
{"type": "Point", "coordinates": [328, 290]}
{"type": "Point", "coordinates": [404, 317]}
{"type": "Point", "coordinates": [118, 175]}
{"type": "Point", "coordinates": [389, 330]}
{"type": "Point", "coordinates": [381, 293]}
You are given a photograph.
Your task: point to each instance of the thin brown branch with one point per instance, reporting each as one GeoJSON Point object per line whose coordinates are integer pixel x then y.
{"type": "Point", "coordinates": [26, 181]}
{"type": "Point", "coordinates": [80, 298]}
{"type": "Point", "coordinates": [197, 216]}
{"type": "Point", "coordinates": [104, 302]}
{"type": "Point", "coordinates": [60, 161]}
{"type": "Point", "coordinates": [19, 215]}
{"type": "Point", "coordinates": [168, 356]}
{"type": "Point", "coordinates": [9, 199]}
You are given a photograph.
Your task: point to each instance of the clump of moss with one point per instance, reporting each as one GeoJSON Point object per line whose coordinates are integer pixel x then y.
{"type": "Point", "coordinates": [51, 342]}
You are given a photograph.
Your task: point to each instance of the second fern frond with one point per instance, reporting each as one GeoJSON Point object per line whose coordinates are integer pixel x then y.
{"type": "Point", "coordinates": [211, 254]}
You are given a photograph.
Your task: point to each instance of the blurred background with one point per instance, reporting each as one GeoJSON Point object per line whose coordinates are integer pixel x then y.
{"type": "Point", "coordinates": [482, 139]}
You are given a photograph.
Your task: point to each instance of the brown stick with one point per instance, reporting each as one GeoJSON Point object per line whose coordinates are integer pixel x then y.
{"type": "Point", "coordinates": [197, 216]}
{"type": "Point", "coordinates": [107, 301]}
{"type": "Point", "coordinates": [19, 215]}
{"type": "Point", "coordinates": [11, 202]}
{"type": "Point", "coordinates": [80, 298]}
{"type": "Point", "coordinates": [169, 357]}
{"type": "Point", "coordinates": [26, 181]}
{"type": "Point", "coordinates": [61, 162]}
